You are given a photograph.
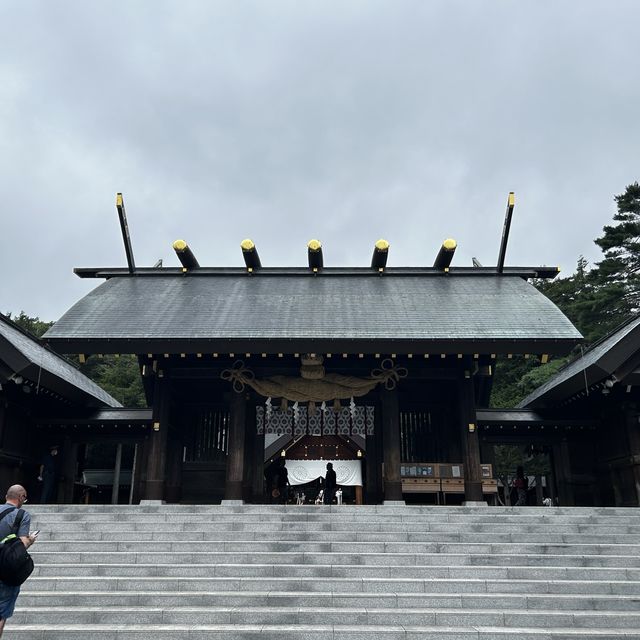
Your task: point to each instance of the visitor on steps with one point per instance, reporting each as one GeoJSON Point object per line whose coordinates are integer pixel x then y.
{"type": "Point", "coordinates": [16, 498]}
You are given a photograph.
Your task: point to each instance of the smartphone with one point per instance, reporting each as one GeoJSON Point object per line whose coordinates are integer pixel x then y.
{"type": "Point", "coordinates": [34, 534]}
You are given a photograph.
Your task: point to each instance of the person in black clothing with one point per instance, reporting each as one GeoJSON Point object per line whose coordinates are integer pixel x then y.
{"type": "Point", "coordinates": [330, 485]}
{"type": "Point", "coordinates": [49, 475]}
{"type": "Point", "coordinates": [521, 484]}
{"type": "Point", "coordinates": [282, 481]}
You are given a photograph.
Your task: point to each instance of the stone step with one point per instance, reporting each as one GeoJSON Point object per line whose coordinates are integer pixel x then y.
{"type": "Point", "coordinates": [316, 584]}
{"type": "Point", "coordinates": [272, 513]}
{"type": "Point", "coordinates": [226, 507]}
{"type": "Point", "coordinates": [343, 536]}
{"type": "Point", "coordinates": [353, 514]}
{"type": "Point", "coordinates": [317, 546]}
{"type": "Point", "coordinates": [203, 593]}
{"type": "Point", "coordinates": [313, 632]}
{"type": "Point", "coordinates": [590, 575]}
{"type": "Point", "coordinates": [331, 557]}
{"type": "Point", "coordinates": [440, 616]}
{"type": "Point", "coordinates": [71, 528]}
{"type": "Point", "coordinates": [456, 594]}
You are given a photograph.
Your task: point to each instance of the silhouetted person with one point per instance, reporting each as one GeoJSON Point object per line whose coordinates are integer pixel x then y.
{"type": "Point", "coordinates": [282, 481]}
{"type": "Point", "coordinates": [330, 484]}
{"type": "Point", "coordinates": [49, 475]}
{"type": "Point", "coordinates": [520, 484]}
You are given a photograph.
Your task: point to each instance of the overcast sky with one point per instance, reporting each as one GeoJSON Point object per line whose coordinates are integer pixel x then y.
{"type": "Point", "coordinates": [284, 121]}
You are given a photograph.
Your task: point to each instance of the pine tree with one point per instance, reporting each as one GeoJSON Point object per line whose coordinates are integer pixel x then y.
{"type": "Point", "coordinates": [596, 300]}
{"type": "Point", "coordinates": [619, 272]}
{"type": "Point", "coordinates": [119, 376]}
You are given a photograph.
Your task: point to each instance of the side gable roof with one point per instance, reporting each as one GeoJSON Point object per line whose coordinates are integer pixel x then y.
{"type": "Point", "coordinates": [284, 312]}
{"type": "Point", "coordinates": [25, 355]}
{"type": "Point", "coordinates": [617, 353]}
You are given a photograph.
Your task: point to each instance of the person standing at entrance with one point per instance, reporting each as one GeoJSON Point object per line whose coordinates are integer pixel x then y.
{"type": "Point", "coordinates": [329, 484]}
{"type": "Point", "coordinates": [282, 481]}
{"type": "Point", "coordinates": [520, 484]}
{"type": "Point", "coordinates": [16, 498]}
{"type": "Point", "coordinates": [49, 475]}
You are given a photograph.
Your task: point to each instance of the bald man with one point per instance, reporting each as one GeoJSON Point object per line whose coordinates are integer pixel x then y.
{"type": "Point", "coordinates": [16, 497]}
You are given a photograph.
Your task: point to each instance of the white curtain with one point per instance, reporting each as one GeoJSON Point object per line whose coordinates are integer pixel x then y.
{"type": "Point", "coordinates": [348, 472]}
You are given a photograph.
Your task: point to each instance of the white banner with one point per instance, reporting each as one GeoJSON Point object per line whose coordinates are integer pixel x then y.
{"type": "Point", "coordinates": [348, 472]}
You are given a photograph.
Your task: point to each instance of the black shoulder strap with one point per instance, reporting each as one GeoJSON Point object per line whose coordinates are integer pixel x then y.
{"type": "Point", "coordinates": [18, 521]}
{"type": "Point", "coordinates": [6, 512]}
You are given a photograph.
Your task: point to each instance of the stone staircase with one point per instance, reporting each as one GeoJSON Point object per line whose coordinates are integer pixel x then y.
{"type": "Point", "coordinates": [371, 572]}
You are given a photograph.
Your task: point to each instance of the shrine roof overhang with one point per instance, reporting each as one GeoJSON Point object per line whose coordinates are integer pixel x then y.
{"type": "Point", "coordinates": [25, 356]}
{"type": "Point", "coordinates": [614, 359]}
{"type": "Point", "coordinates": [395, 312]}
{"type": "Point", "coordinates": [528, 418]}
{"type": "Point", "coordinates": [113, 416]}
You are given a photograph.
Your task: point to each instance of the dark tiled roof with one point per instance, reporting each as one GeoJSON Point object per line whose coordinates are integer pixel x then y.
{"type": "Point", "coordinates": [374, 309]}
{"type": "Point", "coordinates": [596, 364]}
{"type": "Point", "coordinates": [26, 355]}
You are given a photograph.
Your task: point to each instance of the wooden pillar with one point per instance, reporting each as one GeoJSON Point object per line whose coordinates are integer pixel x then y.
{"type": "Point", "coordinates": [139, 475]}
{"type": "Point", "coordinates": [134, 472]}
{"type": "Point", "coordinates": [373, 463]}
{"type": "Point", "coordinates": [173, 488]}
{"type": "Point", "coordinates": [235, 457]}
{"type": "Point", "coordinates": [257, 485]}
{"type": "Point", "coordinates": [633, 436]}
{"type": "Point", "coordinates": [390, 409]}
{"type": "Point", "coordinates": [250, 469]}
{"type": "Point", "coordinates": [562, 468]}
{"type": "Point", "coordinates": [69, 469]}
{"type": "Point", "coordinates": [156, 448]}
{"type": "Point", "coordinates": [115, 489]}
{"type": "Point", "coordinates": [469, 438]}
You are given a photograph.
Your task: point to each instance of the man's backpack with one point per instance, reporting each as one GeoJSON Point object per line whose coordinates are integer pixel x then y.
{"type": "Point", "coordinates": [16, 564]}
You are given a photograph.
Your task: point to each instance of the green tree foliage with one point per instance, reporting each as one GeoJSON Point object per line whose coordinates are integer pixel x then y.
{"type": "Point", "coordinates": [505, 392]}
{"type": "Point", "coordinates": [31, 324]}
{"type": "Point", "coordinates": [516, 378]}
{"type": "Point", "coordinates": [587, 299]}
{"type": "Point", "coordinates": [119, 376]}
{"type": "Point", "coordinates": [596, 300]}
{"type": "Point", "coordinates": [620, 244]}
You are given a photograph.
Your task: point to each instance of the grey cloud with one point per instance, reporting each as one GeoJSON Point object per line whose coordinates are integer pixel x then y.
{"type": "Point", "coordinates": [285, 121]}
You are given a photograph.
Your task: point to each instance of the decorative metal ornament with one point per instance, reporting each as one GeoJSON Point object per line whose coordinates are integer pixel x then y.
{"type": "Point", "coordinates": [389, 374]}
{"type": "Point", "coordinates": [239, 376]}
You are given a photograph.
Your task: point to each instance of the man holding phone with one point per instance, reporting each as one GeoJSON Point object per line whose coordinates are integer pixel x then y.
{"type": "Point", "coordinates": [16, 498]}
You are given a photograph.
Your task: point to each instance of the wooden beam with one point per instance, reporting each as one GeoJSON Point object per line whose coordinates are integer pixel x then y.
{"type": "Point", "coordinates": [126, 238]}
{"type": "Point", "coordinates": [505, 231]}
